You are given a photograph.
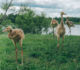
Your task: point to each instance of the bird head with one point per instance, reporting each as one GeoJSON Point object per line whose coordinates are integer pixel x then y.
{"type": "Point", "coordinates": [62, 13]}
{"type": "Point", "coordinates": [8, 29]}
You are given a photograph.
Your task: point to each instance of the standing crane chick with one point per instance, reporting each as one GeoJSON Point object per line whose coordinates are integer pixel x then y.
{"type": "Point", "coordinates": [54, 23]}
{"type": "Point", "coordinates": [60, 30]}
{"type": "Point", "coordinates": [16, 35]}
{"type": "Point", "coordinates": [69, 24]}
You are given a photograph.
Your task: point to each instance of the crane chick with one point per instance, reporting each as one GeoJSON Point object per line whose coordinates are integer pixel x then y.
{"type": "Point", "coordinates": [17, 36]}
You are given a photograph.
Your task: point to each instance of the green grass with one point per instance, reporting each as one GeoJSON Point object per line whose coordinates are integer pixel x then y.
{"type": "Point", "coordinates": [41, 53]}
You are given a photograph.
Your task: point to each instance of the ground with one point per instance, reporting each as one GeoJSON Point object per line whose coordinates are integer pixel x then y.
{"type": "Point", "coordinates": [41, 53]}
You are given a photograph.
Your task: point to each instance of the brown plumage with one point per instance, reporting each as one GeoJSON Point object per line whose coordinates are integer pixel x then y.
{"type": "Point", "coordinates": [69, 24]}
{"type": "Point", "coordinates": [60, 30]}
{"type": "Point", "coordinates": [16, 35]}
{"type": "Point", "coordinates": [54, 23]}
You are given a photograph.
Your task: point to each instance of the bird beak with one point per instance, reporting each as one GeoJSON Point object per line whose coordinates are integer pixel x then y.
{"type": "Point", "coordinates": [4, 30]}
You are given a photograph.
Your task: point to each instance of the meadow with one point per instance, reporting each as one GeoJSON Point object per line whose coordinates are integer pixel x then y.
{"type": "Point", "coordinates": [41, 53]}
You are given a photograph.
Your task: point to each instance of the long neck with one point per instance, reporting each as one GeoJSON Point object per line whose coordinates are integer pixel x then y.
{"type": "Point", "coordinates": [10, 30]}
{"type": "Point", "coordinates": [62, 20]}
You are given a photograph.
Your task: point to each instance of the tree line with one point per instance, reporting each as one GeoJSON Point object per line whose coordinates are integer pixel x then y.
{"type": "Point", "coordinates": [30, 22]}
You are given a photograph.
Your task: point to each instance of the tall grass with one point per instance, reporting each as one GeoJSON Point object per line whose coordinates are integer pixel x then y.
{"type": "Point", "coordinates": [41, 53]}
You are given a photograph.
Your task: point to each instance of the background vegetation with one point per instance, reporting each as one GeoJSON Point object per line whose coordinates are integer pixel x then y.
{"type": "Point", "coordinates": [30, 22]}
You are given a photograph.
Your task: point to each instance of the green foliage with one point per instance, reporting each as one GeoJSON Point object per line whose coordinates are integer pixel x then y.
{"type": "Point", "coordinates": [28, 21]}
{"type": "Point", "coordinates": [76, 20]}
{"type": "Point", "coordinates": [41, 53]}
{"type": "Point", "coordinates": [31, 22]}
{"type": "Point", "coordinates": [7, 22]}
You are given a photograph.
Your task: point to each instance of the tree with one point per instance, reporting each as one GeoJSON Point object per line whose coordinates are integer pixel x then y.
{"type": "Point", "coordinates": [5, 7]}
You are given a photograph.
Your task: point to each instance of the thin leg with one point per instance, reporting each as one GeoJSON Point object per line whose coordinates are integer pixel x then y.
{"type": "Point", "coordinates": [58, 38]}
{"type": "Point", "coordinates": [70, 31]}
{"type": "Point", "coordinates": [16, 55]}
{"type": "Point", "coordinates": [21, 51]}
{"type": "Point", "coordinates": [53, 31]}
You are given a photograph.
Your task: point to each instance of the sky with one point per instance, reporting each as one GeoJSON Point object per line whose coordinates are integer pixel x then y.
{"type": "Point", "coordinates": [51, 8]}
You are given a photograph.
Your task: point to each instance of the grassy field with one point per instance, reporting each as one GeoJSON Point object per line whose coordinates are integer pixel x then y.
{"type": "Point", "coordinates": [41, 53]}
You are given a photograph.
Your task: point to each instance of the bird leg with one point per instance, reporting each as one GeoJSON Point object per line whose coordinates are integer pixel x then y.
{"type": "Point", "coordinates": [58, 38]}
{"type": "Point", "coordinates": [21, 52]}
{"type": "Point", "coordinates": [70, 31]}
{"type": "Point", "coordinates": [16, 55]}
{"type": "Point", "coordinates": [53, 32]}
